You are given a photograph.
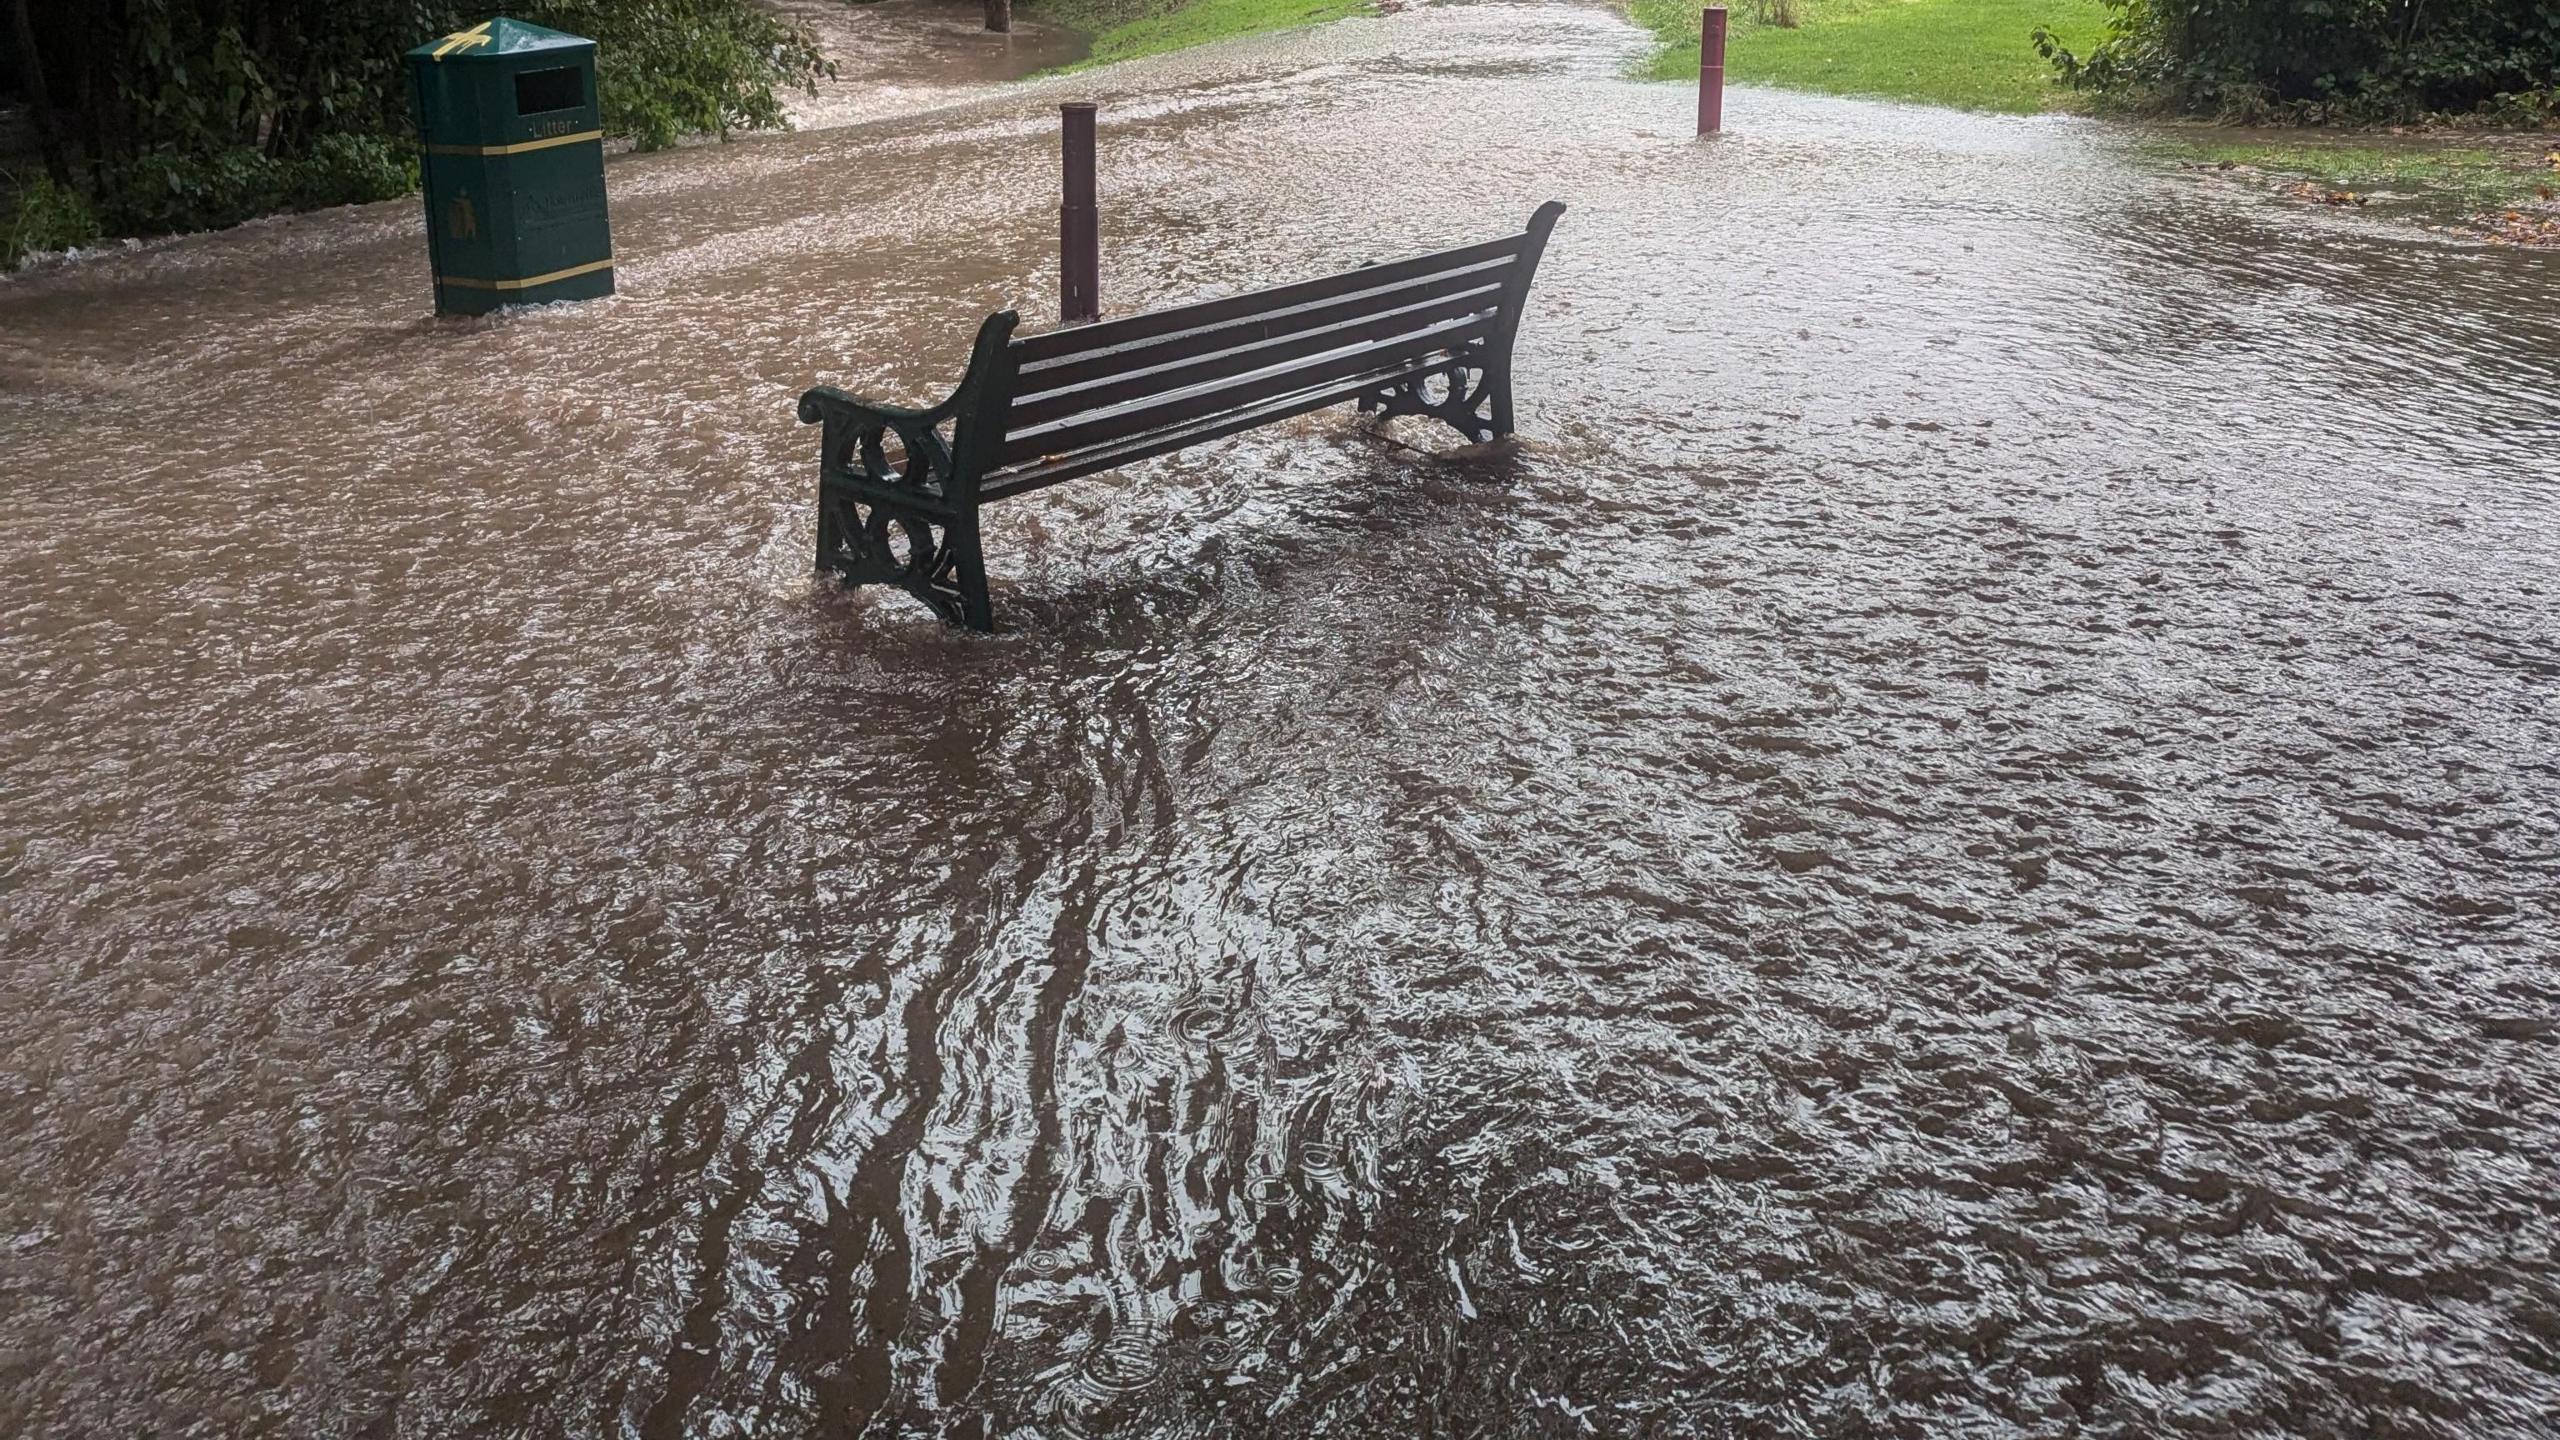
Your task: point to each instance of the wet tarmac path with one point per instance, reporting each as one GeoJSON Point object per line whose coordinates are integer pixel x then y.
{"type": "Point", "coordinates": [1964, 843]}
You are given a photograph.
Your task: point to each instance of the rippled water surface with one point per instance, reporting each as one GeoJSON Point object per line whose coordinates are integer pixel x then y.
{"type": "Point", "coordinates": [1963, 843]}
{"type": "Point", "coordinates": [896, 57]}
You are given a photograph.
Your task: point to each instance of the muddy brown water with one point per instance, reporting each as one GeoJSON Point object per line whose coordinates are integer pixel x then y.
{"type": "Point", "coordinates": [901, 57]}
{"type": "Point", "coordinates": [1963, 843]}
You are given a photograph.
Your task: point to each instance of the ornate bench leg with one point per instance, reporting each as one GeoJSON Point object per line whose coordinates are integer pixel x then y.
{"type": "Point", "coordinates": [866, 542]}
{"type": "Point", "coordinates": [890, 517]}
{"type": "Point", "coordinates": [969, 574]}
{"type": "Point", "coordinates": [830, 530]}
{"type": "Point", "coordinates": [1468, 395]}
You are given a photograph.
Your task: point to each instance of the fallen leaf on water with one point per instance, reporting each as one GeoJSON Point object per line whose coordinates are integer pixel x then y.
{"type": "Point", "coordinates": [2511, 227]}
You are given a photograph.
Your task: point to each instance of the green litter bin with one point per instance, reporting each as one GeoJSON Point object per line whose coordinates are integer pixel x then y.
{"type": "Point", "coordinates": [514, 167]}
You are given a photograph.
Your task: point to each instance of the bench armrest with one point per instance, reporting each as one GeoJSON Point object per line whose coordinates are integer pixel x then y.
{"type": "Point", "coordinates": [856, 444]}
{"type": "Point", "coordinates": [826, 402]}
{"type": "Point", "coordinates": [930, 469]}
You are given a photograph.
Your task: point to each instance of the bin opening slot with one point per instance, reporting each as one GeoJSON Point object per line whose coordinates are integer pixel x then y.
{"type": "Point", "coordinates": [541, 90]}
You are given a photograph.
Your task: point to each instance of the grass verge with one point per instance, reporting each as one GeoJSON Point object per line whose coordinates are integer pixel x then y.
{"type": "Point", "coordinates": [1127, 29]}
{"type": "Point", "coordinates": [2506, 193]}
{"type": "Point", "coordinates": [1968, 54]}
{"type": "Point", "coordinates": [2470, 176]}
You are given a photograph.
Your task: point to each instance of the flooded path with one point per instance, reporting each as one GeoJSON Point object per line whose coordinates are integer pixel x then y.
{"type": "Point", "coordinates": [900, 57]}
{"type": "Point", "coordinates": [1964, 843]}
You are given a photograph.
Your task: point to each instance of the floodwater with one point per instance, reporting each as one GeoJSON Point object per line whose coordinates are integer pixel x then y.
{"type": "Point", "coordinates": [1962, 843]}
{"type": "Point", "coordinates": [902, 57]}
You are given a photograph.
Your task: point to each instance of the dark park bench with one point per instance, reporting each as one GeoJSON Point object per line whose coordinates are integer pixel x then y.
{"type": "Point", "coordinates": [899, 490]}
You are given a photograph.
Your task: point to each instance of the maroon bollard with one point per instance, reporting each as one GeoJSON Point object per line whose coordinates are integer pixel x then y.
{"type": "Point", "coordinates": [1711, 70]}
{"type": "Point", "coordinates": [1079, 223]}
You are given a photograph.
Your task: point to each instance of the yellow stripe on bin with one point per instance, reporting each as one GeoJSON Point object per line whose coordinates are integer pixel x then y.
{"type": "Point", "coordinates": [518, 148]}
{"type": "Point", "coordinates": [530, 281]}
{"type": "Point", "coordinates": [477, 35]}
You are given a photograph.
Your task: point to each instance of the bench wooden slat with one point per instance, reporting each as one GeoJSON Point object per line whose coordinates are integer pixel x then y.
{"type": "Point", "coordinates": [1157, 412]}
{"type": "Point", "coordinates": [1080, 339]}
{"type": "Point", "coordinates": [1024, 479]}
{"type": "Point", "coordinates": [1035, 382]}
{"type": "Point", "coordinates": [1251, 350]}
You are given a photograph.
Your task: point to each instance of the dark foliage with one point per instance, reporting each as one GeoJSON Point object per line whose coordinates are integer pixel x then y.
{"type": "Point", "coordinates": [2327, 59]}
{"type": "Point", "coordinates": [180, 114]}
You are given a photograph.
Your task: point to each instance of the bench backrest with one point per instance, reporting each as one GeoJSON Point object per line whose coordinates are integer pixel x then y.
{"type": "Point", "coordinates": [1092, 385]}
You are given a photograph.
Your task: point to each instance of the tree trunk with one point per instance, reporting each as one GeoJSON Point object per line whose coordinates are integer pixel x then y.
{"type": "Point", "coordinates": [999, 15]}
{"type": "Point", "coordinates": [40, 101]}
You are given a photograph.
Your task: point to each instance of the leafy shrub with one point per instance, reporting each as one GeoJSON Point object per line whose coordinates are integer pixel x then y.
{"type": "Point", "coordinates": [2524, 109]}
{"type": "Point", "coordinates": [350, 170]}
{"type": "Point", "coordinates": [202, 113]}
{"type": "Point", "coordinates": [2315, 60]}
{"type": "Point", "coordinates": [47, 217]}
{"type": "Point", "coordinates": [671, 68]}
{"type": "Point", "coordinates": [168, 189]}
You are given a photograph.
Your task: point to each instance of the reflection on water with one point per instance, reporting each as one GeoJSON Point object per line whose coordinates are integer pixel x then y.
{"type": "Point", "coordinates": [1962, 844]}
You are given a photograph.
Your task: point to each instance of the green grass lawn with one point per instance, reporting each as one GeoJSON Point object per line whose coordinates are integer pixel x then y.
{"type": "Point", "coordinates": [1971, 54]}
{"type": "Point", "coordinates": [1126, 29]}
